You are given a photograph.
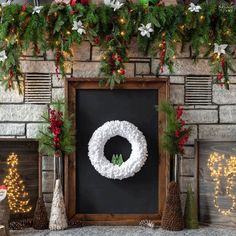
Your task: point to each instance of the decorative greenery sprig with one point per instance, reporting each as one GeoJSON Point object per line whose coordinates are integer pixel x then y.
{"type": "Point", "coordinates": [56, 134]}
{"type": "Point", "coordinates": [176, 134]}
{"type": "Point", "coordinates": [52, 29]}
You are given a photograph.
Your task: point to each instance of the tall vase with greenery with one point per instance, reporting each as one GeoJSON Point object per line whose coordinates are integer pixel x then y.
{"type": "Point", "coordinates": [174, 138]}
{"type": "Point", "coordinates": [176, 134]}
{"type": "Point", "coordinates": [55, 139]}
{"type": "Point", "coordinates": [55, 136]}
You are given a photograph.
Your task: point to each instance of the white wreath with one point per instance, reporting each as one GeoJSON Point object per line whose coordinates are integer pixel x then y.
{"type": "Point", "coordinates": [137, 157]}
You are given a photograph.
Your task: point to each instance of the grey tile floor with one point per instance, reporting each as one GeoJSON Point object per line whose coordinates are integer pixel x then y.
{"type": "Point", "coordinates": [126, 231]}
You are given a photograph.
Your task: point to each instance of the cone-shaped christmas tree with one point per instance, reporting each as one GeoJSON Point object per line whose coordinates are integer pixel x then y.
{"type": "Point", "coordinates": [40, 220]}
{"type": "Point", "coordinates": [172, 218]}
{"type": "Point", "coordinates": [190, 212]}
{"type": "Point", "coordinates": [58, 219]}
{"type": "Point", "coordinates": [18, 198]}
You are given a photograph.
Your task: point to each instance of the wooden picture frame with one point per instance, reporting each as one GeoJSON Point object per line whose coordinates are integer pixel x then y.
{"type": "Point", "coordinates": [73, 84]}
{"type": "Point", "coordinates": [207, 213]}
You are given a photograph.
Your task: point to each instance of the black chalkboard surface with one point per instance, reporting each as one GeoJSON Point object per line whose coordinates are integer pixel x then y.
{"type": "Point", "coordinates": [95, 193]}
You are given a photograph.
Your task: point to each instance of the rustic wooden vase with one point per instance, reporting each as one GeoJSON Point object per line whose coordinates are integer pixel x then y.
{"type": "Point", "coordinates": [172, 218]}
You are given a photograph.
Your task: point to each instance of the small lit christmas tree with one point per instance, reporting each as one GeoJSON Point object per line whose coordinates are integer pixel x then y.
{"type": "Point", "coordinates": [18, 198]}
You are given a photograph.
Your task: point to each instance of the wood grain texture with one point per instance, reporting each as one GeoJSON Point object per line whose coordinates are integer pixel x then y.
{"type": "Point", "coordinates": [205, 185]}
{"type": "Point", "coordinates": [28, 168]}
{"type": "Point", "coordinates": [73, 84]}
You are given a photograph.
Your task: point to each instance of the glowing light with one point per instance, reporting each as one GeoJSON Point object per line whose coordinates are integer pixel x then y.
{"type": "Point", "coordinates": [15, 187]}
{"type": "Point", "coordinates": [122, 33]}
{"type": "Point", "coordinates": [122, 20]}
{"type": "Point", "coordinates": [217, 171]}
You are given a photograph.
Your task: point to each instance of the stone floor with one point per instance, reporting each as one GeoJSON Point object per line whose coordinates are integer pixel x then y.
{"type": "Point", "coordinates": [126, 231]}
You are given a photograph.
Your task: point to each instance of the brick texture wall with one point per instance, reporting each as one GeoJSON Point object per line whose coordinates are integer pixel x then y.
{"type": "Point", "coordinates": [216, 119]}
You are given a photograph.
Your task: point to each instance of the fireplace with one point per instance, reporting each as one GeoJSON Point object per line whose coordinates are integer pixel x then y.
{"type": "Point", "coordinates": [93, 198]}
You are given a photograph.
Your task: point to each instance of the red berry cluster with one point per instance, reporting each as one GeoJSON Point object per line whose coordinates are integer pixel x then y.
{"type": "Point", "coordinates": [115, 60]}
{"type": "Point", "coordinates": [220, 75]}
{"type": "Point", "coordinates": [162, 55]}
{"type": "Point", "coordinates": [56, 123]}
{"type": "Point", "coordinates": [182, 133]}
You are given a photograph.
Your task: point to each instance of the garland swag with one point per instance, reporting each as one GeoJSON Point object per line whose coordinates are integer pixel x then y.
{"type": "Point", "coordinates": [56, 26]}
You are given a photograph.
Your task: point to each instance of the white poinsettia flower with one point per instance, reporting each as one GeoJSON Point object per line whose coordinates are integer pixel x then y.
{"type": "Point", "coordinates": [3, 56]}
{"type": "Point", "coordinates": [194, 8]}
{"type": "Point", "coordinates": [220, 48]}
{"type": "Point", "coordinates": [115, 4]}
{"type": "Point", "coordinates": [78, 26]}
{"type": "Point", "coordinates": [7, 3]}
{"type": "Point", "coordinates": [145, 30]}
{"type": "Point", "coordinates": [37, 9]}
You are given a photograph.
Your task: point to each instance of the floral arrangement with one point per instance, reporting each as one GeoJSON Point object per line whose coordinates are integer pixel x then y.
{"type": "Point", "coordinates": [111, 26]}
{"type": "Point", "coordinates": [176, 134]}
{"type": "Point", "coordinates": [56, 135]}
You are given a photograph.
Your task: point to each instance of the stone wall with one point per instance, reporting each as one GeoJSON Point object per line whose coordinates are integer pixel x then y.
{"type": "Point", "coordinates": [217, 119]}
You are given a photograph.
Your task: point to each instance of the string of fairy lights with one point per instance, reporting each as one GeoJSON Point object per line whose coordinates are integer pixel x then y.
{"type": "Point", "coordinates": [18, 198]}
{"type": "Point", "coordinates": [220, 167]}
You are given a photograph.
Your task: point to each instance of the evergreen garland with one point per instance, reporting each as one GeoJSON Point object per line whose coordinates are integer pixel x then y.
{"type": "Point", "coordinates": [51, 28]}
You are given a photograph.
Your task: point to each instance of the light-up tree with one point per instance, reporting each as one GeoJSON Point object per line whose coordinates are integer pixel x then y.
{"type": "Point", "coordinates": [18, 198]}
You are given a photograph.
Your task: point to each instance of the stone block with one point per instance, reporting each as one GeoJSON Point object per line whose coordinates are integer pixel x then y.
{"type": "Point", "coordinates": [96, 54]}
{"type": "Point", "coordinates": [48, 208]}
{"type": "Point", "coordinates": [177, 94]}
{"type": "Point", "coordinates": [86, 69]}
{"type": "Point", "coordinates": [188, 152]}
{"type": "Point", "coordinates": [184, 182]}
{"type": "Point", "coordinates": [47, 197]}
{"type": "Point", "coordinates": [142, 68]}
{"type": "Point", "coordinates": [206, 107]}
{"type": "Point", "coordinates": [47, 163]}
{"type": "Point", "coordinates": [228, 114]}
{"type": "Point", "coordinates": [47, 181]}
{"type": "Point", "coordinates": [32, 129]}
{"type": "Point", "coordinates": [170, 2]}
{"type": "Point", "coordinates": [187, 166]}
{"type": "Point", "coordinates": [183, 197]}
{"type": "Point", "coordinates": [185, 67]}
{"type": "Point", "coordinates": [12, 129]}
{"type": "Point", "coordinates": [81, 52]}
{"type": "Point", "coordinates": [38, 66]}
{"type": "Point", "coordinates": [50, 55]}
{"type": "Point", "coordinates": [58, 82]}
{"type": "Point", "coordinates": [10, 96]}
{"type": "Point", "coordinates": [193, 135]}
{"type": "Point", "coordinates": [218, 132]}
{"type": "Point", "coordinates": [200, 116]}
{"type": "Point", "coordinates": [182, 51]}
{"type": "Point", "coordinates": [223, 96]}
{"type": "Point", "coordinates": [129, 70]}
{"type": "Point", "coordinates": [58, 93]}
{"type": "Point", "coordinates": [133, 50]}
{"type": "Point", "coordinates": [177, 79]}
{"type": "Point", "coordinates": [22, 112]}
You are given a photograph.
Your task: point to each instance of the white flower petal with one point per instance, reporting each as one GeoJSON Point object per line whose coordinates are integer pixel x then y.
{"type": "Point", "coordinates": [149, 25]}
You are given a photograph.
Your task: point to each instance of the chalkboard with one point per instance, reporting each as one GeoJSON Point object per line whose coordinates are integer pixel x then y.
{"type": "Point", "coordinates": [96, 194]}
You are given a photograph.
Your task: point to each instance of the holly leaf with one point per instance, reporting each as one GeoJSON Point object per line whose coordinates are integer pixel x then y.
{"type": "Point", "coordinates": [59, 23]}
